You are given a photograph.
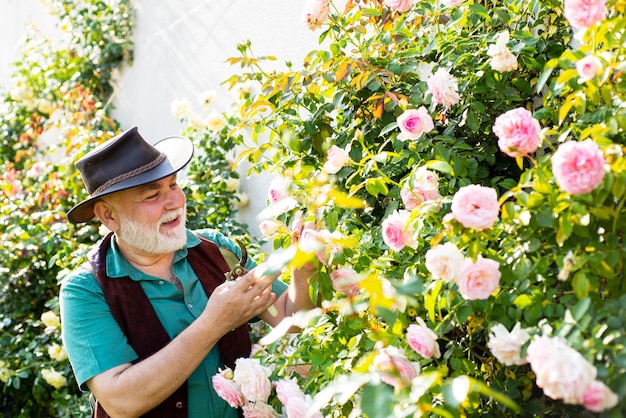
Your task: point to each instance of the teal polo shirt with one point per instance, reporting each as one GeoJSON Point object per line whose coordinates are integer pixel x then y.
{"type": "Point", "coordinates": [95, 343]}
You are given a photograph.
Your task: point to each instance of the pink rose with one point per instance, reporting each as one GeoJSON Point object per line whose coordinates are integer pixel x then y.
{"type": "Point", "coordinates": [598, 397]}
{"type": "Point", "coordinates": [444, 88]}
{"type": "Point", "coordinates": [296, 403]}
{"type": "Point", "coordinates": [422, 187]}
{"type": "Point", "coordinates": [336, 159]}
{"type": "Point", "coordinates": [502, 60]}
{"type": "Point", "coordinates": [253, 379]}
{"type": "Point", "coordinates": [517, 132]}
{"type": "Point", "coordinates": [423, 340]}
{"type": "Point", "coordinates": [288, 390]}
{"type": "Point", "coordinates": [477, 280]}
{"type": "Point", "coordinates": [419, 194]}
{"type": "Point", "coordinates": [394, 368]}
{"type": "Point", "coordinates": [396, 232]}
{"type": "Point", "coordinates": [227, 389]}
{"type": "Point", "coordinates": [269, 227]}
{"type": "Point", "coordinates": [475, 206]}
{"type": "Point", "coordinates": [413, 123]}
{"type": "Point", "coordinates": [562, 372]}
{"type": "Point", "coordinates": [399, 5]}
{"type": "Point", "coordinates": [583, 14]}
{"type": "Point", "coordinates": [345, 280]}
{"type": "Point", "coordinates": [278, 190]}
{"type": "Point", "coordinates": [452, 3]}
{"type": "Point", "coordinates": [444, 261]}
{"type": "Point", "coordinates": [578, 167]}
{"type": "Point", "coordinates": [588, 68]}
{"type": "Point", "coordinates": [506, 346]}
{"type": "Point", "coordinates": [316, 12]}
{"type": "Point", "coordinates": [259, 410]}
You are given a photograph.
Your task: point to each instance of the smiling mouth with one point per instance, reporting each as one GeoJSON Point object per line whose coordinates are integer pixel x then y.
{"type": "Point", "coordinates": [171, 221]}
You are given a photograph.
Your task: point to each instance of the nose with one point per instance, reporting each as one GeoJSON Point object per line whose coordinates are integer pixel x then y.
{"type": "Point", "coordinates": [176, 198]}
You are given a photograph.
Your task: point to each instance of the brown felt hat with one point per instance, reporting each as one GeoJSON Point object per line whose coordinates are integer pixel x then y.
{"type": "Point", "coordinates": [127, 161]}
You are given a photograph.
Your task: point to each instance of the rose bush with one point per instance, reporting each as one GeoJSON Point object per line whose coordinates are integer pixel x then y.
{"type": "Point", "coordinates": [556, 238]}
{"type": "Point", "coordinates": [512, 256]}
{"type": "Point", "coordinates": [55, 96]}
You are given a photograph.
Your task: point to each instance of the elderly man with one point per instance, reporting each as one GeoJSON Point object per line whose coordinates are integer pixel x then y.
{"type": "Point", "coordinates": [149, 319]}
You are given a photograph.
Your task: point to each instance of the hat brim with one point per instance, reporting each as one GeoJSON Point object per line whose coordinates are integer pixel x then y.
{"type": "Point", "coordinates": [178, 151]}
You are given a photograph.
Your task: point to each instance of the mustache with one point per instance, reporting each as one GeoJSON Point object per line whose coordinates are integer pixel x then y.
{"type": "Point", "coordinates": [170, 216]}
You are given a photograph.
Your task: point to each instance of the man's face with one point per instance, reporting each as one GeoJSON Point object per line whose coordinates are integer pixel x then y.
{"type": "Point", "coordinates": [151, 218]}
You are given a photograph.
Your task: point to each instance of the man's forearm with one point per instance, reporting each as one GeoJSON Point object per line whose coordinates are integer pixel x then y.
{"type": "Point", "coordinates": [134, 389]}
{"type": "Point", "coordinates": [299, 297]}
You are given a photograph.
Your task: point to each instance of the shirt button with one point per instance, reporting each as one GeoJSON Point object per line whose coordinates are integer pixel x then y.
{"type": "Point", "coordinates": [190, 305]}
{"type": "Point", "coordinates": [161, 282]}
{"type": "Point", "coordinates": [179, 404]}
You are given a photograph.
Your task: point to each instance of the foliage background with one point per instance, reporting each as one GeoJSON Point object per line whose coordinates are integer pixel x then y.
{"type": "Point", "coordinates": [350, 91]}
{"type": "Point", "coordinates": [60, 93]}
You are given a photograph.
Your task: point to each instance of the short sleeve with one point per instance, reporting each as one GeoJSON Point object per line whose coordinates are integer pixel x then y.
{"type": "Point", "coordinates": [92, 338]}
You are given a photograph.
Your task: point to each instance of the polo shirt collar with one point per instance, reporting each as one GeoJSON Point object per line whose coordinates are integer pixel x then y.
{"type": "Point", "coordinates": [118, 266]}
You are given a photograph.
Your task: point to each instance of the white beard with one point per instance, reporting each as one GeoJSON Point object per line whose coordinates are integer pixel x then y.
{"type": "Point", "coordinates": [150, 239]}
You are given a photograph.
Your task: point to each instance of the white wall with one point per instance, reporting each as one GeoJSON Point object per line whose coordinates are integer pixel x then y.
{"type": "Point", "coordinates": [180, 51]}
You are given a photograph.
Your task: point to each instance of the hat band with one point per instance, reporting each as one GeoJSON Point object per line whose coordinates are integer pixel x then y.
{"type": "Point", "coordinates": [133, 173]}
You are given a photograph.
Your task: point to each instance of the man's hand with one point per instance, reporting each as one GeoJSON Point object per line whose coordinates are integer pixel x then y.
{"type": "Point", "coordinates": [235, 302]}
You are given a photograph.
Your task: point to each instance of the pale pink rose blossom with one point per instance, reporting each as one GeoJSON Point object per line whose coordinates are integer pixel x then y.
{"type": "Point", "coordinates": [444, 261]}
{"type": "Point", "coordinates": [259, 410]}
{"type": "Point", "coordinates": [336, 159]}
{"type": "Point", "coordinates": [423, 340]}
{"type": "Point", "coordinates": [583, 14]}
{"type": "Point", "coordinates": [297, 404]}
{"type": "Point", "coordinates": [413, 123]}
{"type": "Point", "coordinates": [316, 13]}
{"type": "Point", "coordinates": [287, 390]}
{"type": "Point", "coordinates": [396, 233]}
{"type": "Point", "coordinates": [227, 389]}
{"type": "Point", "coordinates": [278, 190]}
{"type": "Point", "coordinates": [419, 194]}
{"type": "Point", "coordinates": [502, 60]}
{"type": "Point", "coordinates": [425, 187]}
{"type": "Point", "coordinates": [478, 280]}
{"type": "Point", "coordinates": [475, 206]}
{"type": "Point", "coordinates": [578, 167]}
{"type": "Point", "coordinates": [253, 379]}
{"type": "Point", "coordinates": [269, 227]}
{"type": "Point", "coordinates": [587, 68]}
{"type": "Point", "coordinates": [399, 5]}
{"type": "Point", "coordinates": [452, 3]}
{"type": "Point", "coordinates": [562, 372]}
{"type": "Point", "coordinates": [599, 397]}
{"type": "Point", "coordinates": [346, 281]}
{"type": "Point", "coordinates": [310, 241]}
{"type": "Point", "coordinates": [426, 177]}
{"type": "Point", "coordinates": [394, 368]}
{"type": "Point", "coordinates": [518, 132]}
{"type": "Point", "coordinates": [506, 346]}
{"type": "Point", "coordinates": [444, 88]}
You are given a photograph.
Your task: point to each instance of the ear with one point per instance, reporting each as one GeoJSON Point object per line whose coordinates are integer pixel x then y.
{"type": "Point", "coordinates": [105, 212]}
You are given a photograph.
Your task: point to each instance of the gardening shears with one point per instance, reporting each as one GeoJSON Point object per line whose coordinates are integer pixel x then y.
{"type": "Point", "coordinates": [239, 269]}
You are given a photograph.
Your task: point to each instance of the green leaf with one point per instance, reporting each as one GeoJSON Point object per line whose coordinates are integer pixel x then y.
{"type": "Point", "coordinates": [441, 166]}
{"type": "Point", "coordinates": [581, 309]}
{"type": "Point", "coordinates": [543, 78]}
{"type": "Point", "coordinates": [580, 283]}
{"type": "Point", "coordinates": [430, 300]}
{"type": "Point", "coordinates": [456, 391]}
{"type": "Point", "coordinates": [376, 186]}
{"type": "Point", "coordinates": [376, 401]}
{"type": "Point", "coordinates": [522, 301]}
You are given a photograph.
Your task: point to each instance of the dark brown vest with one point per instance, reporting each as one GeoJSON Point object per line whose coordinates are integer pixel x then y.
{"type": "Point", "coordinates": [133, 311]}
